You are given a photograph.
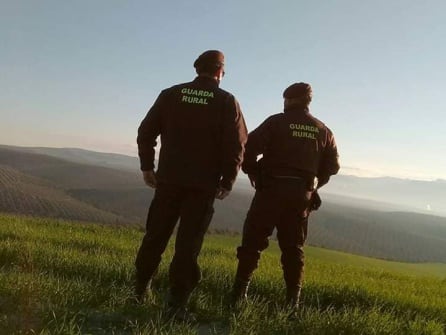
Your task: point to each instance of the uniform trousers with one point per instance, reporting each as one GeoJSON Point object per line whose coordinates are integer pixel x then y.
{"type": "Point", "coordinates": [194, 208]}
{"type": "Point", "coordinates": [282, 204]}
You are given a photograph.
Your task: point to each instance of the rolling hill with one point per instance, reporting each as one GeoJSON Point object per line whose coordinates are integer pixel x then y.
{"type": "Point", "coordinates": [82, 156]}
{"type": "Point", "coordinates": [104, 194]}
{"type": "Point", "coordinates": [24, 194]}
{"type": "Point", "coordinates": [68, 174]}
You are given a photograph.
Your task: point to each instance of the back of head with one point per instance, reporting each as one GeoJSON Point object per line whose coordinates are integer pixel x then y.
{"type": "Point", "coordinates": [209, 62]}
{"type": "Point", "coordinates": [298, 94]}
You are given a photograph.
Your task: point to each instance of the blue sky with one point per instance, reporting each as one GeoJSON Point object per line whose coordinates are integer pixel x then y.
{"type": "Point", "coordinates": [84, 73]}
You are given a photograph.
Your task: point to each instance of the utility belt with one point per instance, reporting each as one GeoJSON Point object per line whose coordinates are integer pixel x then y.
{"type": "Point", "coordinates": [263, 181]}
{"type": "Point", "coordinates": [266, 177]}
{"type": "Point", "coordinates": [310, 183]}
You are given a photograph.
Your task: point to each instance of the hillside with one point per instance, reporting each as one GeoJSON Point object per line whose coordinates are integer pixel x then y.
{"type": "Point", "coordinates": [387, 235]}
{"type": "Point", "coordinates": [67, 174]}
{"type": "Point", "coordinates": [103, 194]}
{"type": "Point", "coordinates": [24, 194]}
{"type": "Point", "coordinates": [58, 277]}
{"type": "Point", "coordinates": [130, 203]}
{"type": "Point", "coordinates": [381, 193]}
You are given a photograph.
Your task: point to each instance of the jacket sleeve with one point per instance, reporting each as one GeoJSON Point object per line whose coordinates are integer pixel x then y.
{"type": "Point", "coordinates": [148, 132]}
{"type": "Point", "coordinates": [330, 161]}
{"type": "Point", "coordinates": [233, 142]}
{"type": "Point", "coordinates": [258, 139]}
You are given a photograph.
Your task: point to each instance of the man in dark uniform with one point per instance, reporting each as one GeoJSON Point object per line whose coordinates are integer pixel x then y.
{"type": "Point", "coordinates": [203, 134]}
{"type": "Point", "coordinates": [298, 150]}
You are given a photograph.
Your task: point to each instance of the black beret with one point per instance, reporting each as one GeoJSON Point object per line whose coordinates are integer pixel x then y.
{"type": "Point", "coordinates": [210, 57]}
{"type": "Point", "coordinates": [297, 90]}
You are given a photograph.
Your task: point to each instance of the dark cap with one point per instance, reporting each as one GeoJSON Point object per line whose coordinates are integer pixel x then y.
{"type": "Point", "coordinates": [298, 90]}
{"type": "Point", "coordinates": [210, 58]}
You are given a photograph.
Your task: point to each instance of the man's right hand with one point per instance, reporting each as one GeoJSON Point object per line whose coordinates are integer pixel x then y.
{"type": "Point", "coordinates": [222, 193]}
{"type": "Point", "coordinates": [149, 178]}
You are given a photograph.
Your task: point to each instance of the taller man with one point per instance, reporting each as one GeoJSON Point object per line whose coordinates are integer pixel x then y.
{"type": "Point", "coordinates": [203, 134]}
{"type": "Point", "coordinates": [298, 150]}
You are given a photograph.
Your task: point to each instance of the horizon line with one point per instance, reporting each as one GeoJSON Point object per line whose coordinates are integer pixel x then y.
{"type": "Point", "coordinates": [348, 170]}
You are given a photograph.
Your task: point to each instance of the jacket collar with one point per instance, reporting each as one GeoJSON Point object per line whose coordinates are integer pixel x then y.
{"type": "Point", "coordinates": [296, 109]}
{"type": "Point", "coordinates": [206, 80]}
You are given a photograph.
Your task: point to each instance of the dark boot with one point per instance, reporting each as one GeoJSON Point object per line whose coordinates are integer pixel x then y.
{"type": "Point", "coordinates": [140, 289]}
{"type": "Point", "coordinates": [177, 307]}
{"type": "Point", "coordinates": [292, 300]}
{"type": "Point", "coordinates": [239, 292]}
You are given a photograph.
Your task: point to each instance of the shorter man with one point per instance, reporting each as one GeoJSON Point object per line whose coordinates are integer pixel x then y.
{"type": "Point", "coordinates": [298, 150]}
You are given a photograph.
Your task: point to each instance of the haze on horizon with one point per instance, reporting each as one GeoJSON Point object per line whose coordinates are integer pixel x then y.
{"type": "Point", "coordinates": [84, 74]}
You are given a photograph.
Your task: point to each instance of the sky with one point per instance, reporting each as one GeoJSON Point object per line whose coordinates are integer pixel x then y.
{"type": "Point", "coordinates": [84, 73]}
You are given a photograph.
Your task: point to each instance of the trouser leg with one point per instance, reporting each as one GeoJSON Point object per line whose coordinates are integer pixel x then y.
{"type": "Point", "coordinates": [184, 273]}
{"type": "Point", "coordinates": [292, 234]}
{"type": "Point", "coordinates": [291, 242]}
{"type": "Point", "coordinates": [258, 226]}
{"type": "Point", "coordinates": [292, 238]}
{"type": "Point", "coordinates": [162, 217]}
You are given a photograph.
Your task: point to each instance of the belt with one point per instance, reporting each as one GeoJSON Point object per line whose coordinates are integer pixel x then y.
{"type": "Point", "coordinates": [289, 177]}
{"type": "Point", "coordinates": [311, 182]}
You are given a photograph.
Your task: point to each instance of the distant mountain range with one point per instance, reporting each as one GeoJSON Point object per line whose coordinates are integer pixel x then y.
{"type": "Point", "coordinates": [380, 193]}
{"type": "Point", "coordinates": [414, 195]}
{"type": "Point", "coordinates": [369, 216]}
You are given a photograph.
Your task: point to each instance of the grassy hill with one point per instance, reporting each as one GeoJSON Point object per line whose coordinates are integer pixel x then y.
{"type": "Point", "coordinates": [387, 235]}
{"type": "Point", "coordinates": [58, 277]}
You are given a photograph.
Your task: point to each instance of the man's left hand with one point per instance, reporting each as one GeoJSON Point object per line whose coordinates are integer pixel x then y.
{"type": "Point", "coordinates": [149, 178]}
{"type": "Point", "coordinates": [252, 180]}
{"type": "Point", "coordinates": [315, 201]}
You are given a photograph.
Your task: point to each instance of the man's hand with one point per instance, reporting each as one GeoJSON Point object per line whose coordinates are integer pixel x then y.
{"type": "Point", "coordinates": [149, 178]}
{"type": "Point", "coordinates": [222, 193]}
{"type": "Point", "coordinates": [252, 180]}
{"type": "Point", "coordinates": [315, 201]}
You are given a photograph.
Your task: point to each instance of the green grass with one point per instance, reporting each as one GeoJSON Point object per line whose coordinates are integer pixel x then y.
{"type": "Point", "coordinates": [58, 277]}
